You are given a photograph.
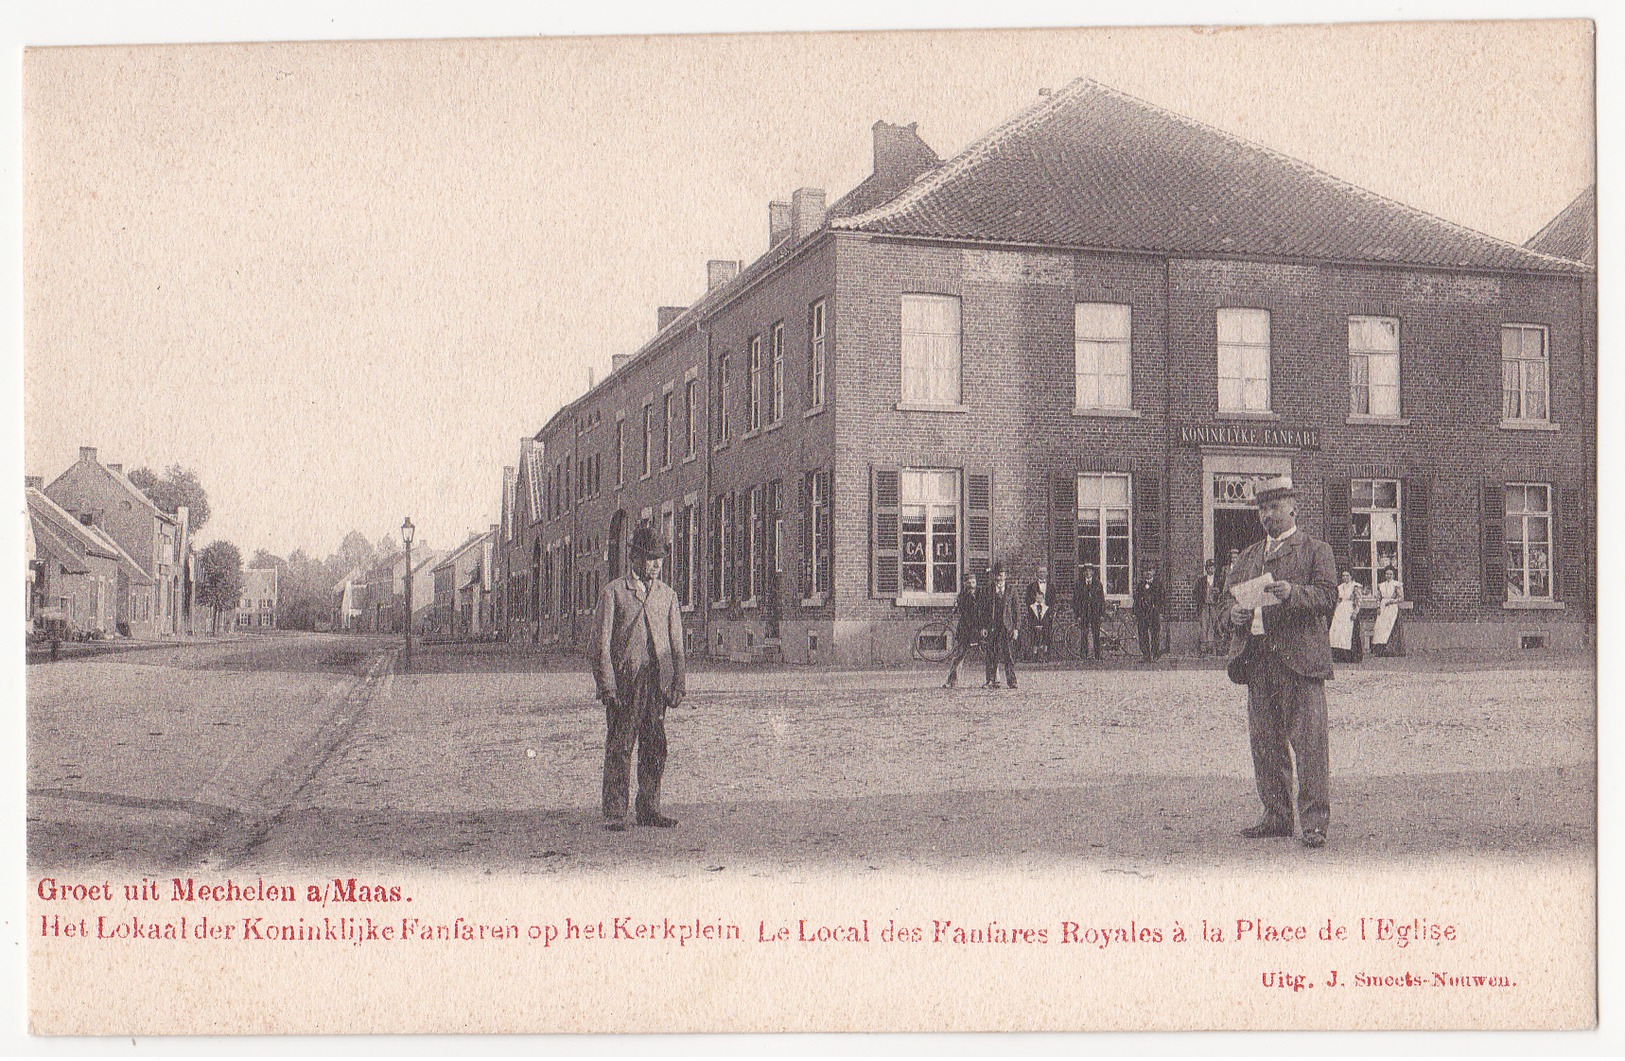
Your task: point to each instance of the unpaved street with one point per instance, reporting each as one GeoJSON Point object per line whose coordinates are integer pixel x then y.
{"type": "Point", "coordinates": [287, 754]}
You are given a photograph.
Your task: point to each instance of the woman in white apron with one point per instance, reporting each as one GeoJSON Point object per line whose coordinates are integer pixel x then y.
{"type": "Point", "coordinates": [1387, 639]}
{"type": "Point", "coordinates": [1345, 629]}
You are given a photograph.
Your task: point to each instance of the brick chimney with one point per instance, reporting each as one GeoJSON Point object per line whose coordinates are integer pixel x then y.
{"type": "Point", "coordinates": [88, 454]}
{"type": "Point", "coordinates": [778, 224]}
{"type": "Point", "coordinates": [666, 314]}
{"type": "Point", "coordinates": [900, 157]}
{"type": "Point", "coordinates": [116, 469]}
{"type": "Point", "coordinates": [719, 272]}
{"type": "Point", "coordinates": [806, 212]}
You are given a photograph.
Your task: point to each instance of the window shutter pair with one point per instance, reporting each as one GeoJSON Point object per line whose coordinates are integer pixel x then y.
{"type": "Point", "coordinates": [1493, 552]}
{"type": "Point", "coordinates": [1063, 555]}
{"type": "Point", "coordinates": [1417, 536]}
{"type": "Point", "coordinates": [826, 517]}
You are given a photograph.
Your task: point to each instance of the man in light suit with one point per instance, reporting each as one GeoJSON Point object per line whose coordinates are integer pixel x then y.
{"type": "Point", "coordinates": [1281, 652]}
{"type": "Point", "coordinates": [638, 664]}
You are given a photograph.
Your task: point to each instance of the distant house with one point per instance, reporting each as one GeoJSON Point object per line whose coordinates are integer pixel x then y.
{"type": "Point", "coordinates": [381, 594]}
{"type": "Point", "coordinates": [257, 608]}
{"type": "Point", "coordinates": [462, 588]}
{"type": "Point", "coordinates": [347, 608]}
{"type": "Point", "coordinates": [78, 572]}
{"type": "Point", "coordinates": [100, 495]}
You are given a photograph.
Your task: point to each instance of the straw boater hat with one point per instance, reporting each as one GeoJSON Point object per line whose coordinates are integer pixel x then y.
{"type": "Point", "coordinates": [646, 543]}
{"type": "Point", "coordinates": [1273, 490]}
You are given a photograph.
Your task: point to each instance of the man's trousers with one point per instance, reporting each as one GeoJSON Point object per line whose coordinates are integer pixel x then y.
{"type": "Point", "coordinates": [639, 715]}
{"type": "Point", "coordinates": [1286, 719]}
{"type": "Point", "coordinates": [997, 651]}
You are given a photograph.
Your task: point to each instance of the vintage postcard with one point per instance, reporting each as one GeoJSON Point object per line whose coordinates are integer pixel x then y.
{"type": "Point", "coordinates": [1019, 530]}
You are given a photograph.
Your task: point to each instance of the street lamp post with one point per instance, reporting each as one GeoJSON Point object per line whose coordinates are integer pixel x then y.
{"type": "Point", "coordinates": [407, 530]}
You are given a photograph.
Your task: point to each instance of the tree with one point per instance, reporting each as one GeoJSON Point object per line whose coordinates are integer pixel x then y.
{"type": "Point", "coordinates": [264, 560]}
{"type": "Point", "coordinates": [354, 551]}
{"type": "Point", "coordinates": [179, 486]}
{"type": "Point", "coordinates": [220, 578]}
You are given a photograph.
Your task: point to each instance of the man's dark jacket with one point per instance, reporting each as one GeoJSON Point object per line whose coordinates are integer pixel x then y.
{"type": "Point", "coordinates": [1294, 629]}
{"type": "Point", "coordinates": [1089, 600]}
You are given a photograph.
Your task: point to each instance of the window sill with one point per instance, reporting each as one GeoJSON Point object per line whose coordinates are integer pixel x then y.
{"type": "Point", "coordinates": [926, 600]}
{"type": "Point", "coordinates": [1245, 414]}
{"type": "Point", "coordinates": [752, 433]}
{"type": "Point", "coordinates": [810, 413]}
{"type": "Point", "coordinates": [814, 601]}
{"type": "Point", "coordinates": [718, 605]}
{"type": "Point", "coordinates": [1534, 606]}
{"type": "Point", "coordinates": [774, 426]}
{"type": "Point", "coordinates": [1108, 412]}
{"type": "Point", "coordinates": [1381, 421]}
{"type": "Point", "coordinates": [751, 604]}
{"type": "Point", "coordinates": [720, 446]}
{"type": "Point", "coordinates": [692, 457]}
{"type": "Point", "coordinates": [1530, 425]}
{"type": "Point", "coordinates": [931, 407]}
{"type": "Point", "coordinates": [687, 609]}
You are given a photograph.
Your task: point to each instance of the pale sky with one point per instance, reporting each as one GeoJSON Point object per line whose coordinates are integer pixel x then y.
{"type": "Point", "coordinates": [342, 280]}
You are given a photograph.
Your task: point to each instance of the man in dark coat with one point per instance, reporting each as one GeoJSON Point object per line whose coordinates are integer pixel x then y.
{"type": "Point", "coordinates": [1202, 594]}
{"type": "Point", "coordinates": [1001, 623]}
{"type": "Point", "coordinates": [967, 627]}
{"type": "Point", "coordinates": [639, 666]}
{"type": "Point", "coordinates": [1150, 601]}
{"type": "Point", "coordinates": [1282, 653]}
{"type": "Point", "coordinates": [1088, 607]}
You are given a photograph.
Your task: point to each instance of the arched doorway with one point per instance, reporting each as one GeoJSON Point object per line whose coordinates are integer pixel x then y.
{"type": "Point", "coordinates": [617, 540]}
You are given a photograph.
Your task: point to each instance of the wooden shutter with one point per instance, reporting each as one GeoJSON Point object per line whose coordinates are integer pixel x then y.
{"type": "Point", "coordinates": [806, 535]}
{"type": "Point", "coordinates": [1338, 523]}
{"type": "Point", "coordinates": [1147, 498]}
{"type": "Point", "coordinates": [1418, 573]}
{"type": "Point", "coordinates": [1063, 545]}
{"type": "Point", "coordinates": [1568, 534]}
{"type": "Point", "coordinates": [885, 530]}
{"type": "Point", "coordinates": [826, 519]}
{"type": "Point", "coordinates": [979, 520]}
{"type": "Point", "coordinates": [741, 522]}
{"type": "Point", "coordinates": [1493, 553]}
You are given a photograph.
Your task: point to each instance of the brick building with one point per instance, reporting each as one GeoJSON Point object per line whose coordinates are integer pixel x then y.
{"type": "Point", "coordinates": [257, 604]}
{"type": "Point", "coordinates": [1079, 342]}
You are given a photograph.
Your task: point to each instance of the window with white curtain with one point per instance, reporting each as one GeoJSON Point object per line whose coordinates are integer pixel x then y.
{"type": "Point", "coordinates": [1374, 366]}
{"type": "Point", "coordinates": [931, 349]}
{"type": "Point", "coordinates": [1244, 360]}
{"type": "Point", "coordinates": [1101, 352]}
{"type": "Point", "coordinates": [1523, 372]}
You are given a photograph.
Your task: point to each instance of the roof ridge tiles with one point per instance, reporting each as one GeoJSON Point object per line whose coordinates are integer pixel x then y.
{"type": "Point", "coordinates": [1320, 174]}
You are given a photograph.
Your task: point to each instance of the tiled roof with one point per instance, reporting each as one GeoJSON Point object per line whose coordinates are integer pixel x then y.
{"type": "Point", "coordinates": [1089, 166]}
{"type": "Point", "coordinates": [92, 539]}
{"type": "Point", "coordinates": [1573, 232]}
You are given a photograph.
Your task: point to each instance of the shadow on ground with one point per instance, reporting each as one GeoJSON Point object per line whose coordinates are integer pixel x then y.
{"type": "Point", "coordinates": [1122, 824]}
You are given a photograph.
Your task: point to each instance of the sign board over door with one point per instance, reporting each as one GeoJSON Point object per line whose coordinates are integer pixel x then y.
{"type": "Point", "coordinates": [1252, 435]}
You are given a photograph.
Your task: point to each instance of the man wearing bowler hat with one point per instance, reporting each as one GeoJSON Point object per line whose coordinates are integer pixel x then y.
{"type": "Point", "coordinates": [1282, 653]}
{"type": "Point", "coordinates": [638, 664]}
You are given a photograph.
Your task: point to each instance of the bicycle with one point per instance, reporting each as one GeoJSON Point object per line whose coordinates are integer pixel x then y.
{"type": "Point", "coordinates": [934, 641]}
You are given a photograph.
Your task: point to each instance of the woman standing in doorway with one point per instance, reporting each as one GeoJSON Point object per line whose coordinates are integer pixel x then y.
{"type": "Point", "coordinates": [1387, 638]}
{"type": "Point", "coordinates": [1345, 630]}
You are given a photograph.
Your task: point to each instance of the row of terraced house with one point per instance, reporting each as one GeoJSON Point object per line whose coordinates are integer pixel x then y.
{"type": "Point", "coordinates": [1077, 344]}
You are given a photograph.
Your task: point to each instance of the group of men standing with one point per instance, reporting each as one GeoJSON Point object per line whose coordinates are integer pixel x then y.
{"type": "Point", "coordinates": [1272, 608]}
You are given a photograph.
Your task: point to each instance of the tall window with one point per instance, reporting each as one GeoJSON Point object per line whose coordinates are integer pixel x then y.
{"type": "Point", "coordinates": [931, 354]}
{"type": "Point", "coordinates": [1523, 372]}
{"type": "Point", "coordinates": [1101, 351]}
{"type": "Point", "coordinates": [1244, 360]}
{"type": "Point", "coordinates": [722, 549]}
{"type": "Point", "coordinates": [753, 544]}
{"type": "Point", "coordinates": [648, 438]}
{"type": "Point", "coordinates": [815, 356]}
{"type": "Point", "coordinates": [819, 490]}
{"type": "Point", "coordinates": [688, 553]}
{"type": "Point", "coordinates": [753, 386]}
{"type": "Point", "coordinates": [1104, 531]}
{"type": "Point", "coordinates": [1529, 541]}
{"type": "Point", "coordinates": [930, 531]}
{"type": "Point", "coordinates": [775, 393]}
{"type": "Point", "coordinates": [620, 452]}
{"type": "Point", "coordinates": [691, 407]}
{"type": "Point", "coordinates": [722, 398]}
{"type": "Point", "coordinates": [667, 407]}
{"type": "Point", "coordinates": [1375, 540]}
{"type": "Point", "coordinates": [1374, 366]}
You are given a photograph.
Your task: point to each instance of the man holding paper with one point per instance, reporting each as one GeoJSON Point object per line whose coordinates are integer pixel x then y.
{"type": "Point", "coordinates": [1278, 595]}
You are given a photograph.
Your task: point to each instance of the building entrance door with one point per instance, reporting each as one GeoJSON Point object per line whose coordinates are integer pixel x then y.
{"type": "Point", "coordinates": [1234, 528]}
